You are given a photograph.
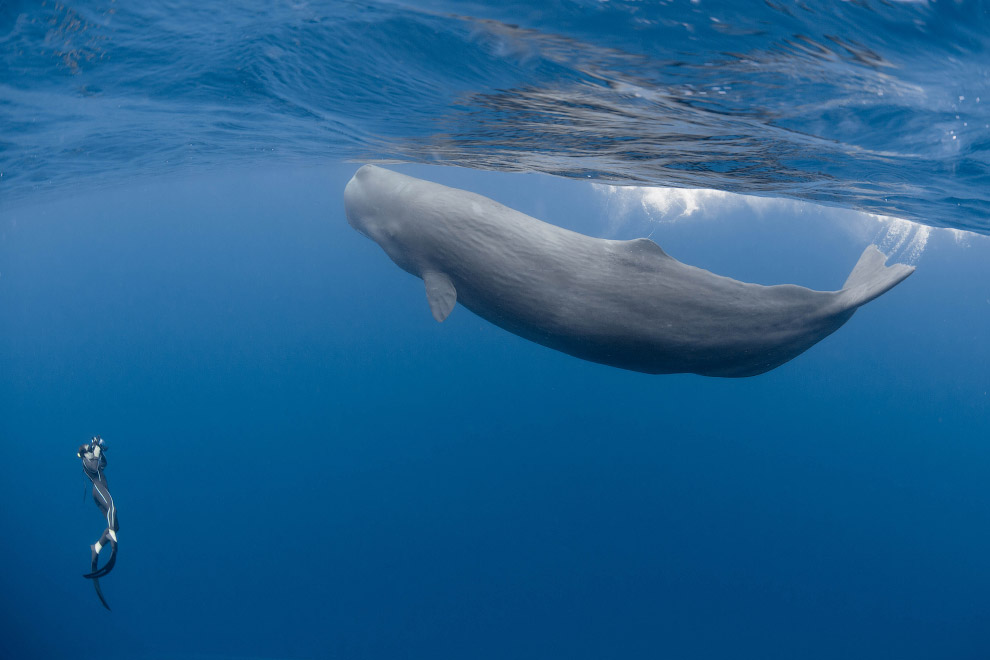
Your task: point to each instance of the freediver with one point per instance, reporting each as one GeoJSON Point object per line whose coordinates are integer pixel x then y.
{"type": "Point", "coordinates": [94, 461]}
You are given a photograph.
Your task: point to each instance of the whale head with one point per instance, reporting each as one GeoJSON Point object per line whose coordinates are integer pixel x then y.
{"type": "Point", "coordinates": [363, 203]}
{"type": "Point", "coordinates": [373, 203]}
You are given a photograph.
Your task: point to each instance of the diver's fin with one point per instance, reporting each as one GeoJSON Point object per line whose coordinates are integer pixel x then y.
{"type": "Point", "coordinates": [440, 293]}
{"type": "Point", "coordinates": [99, 593]}
{"type": "Point", "coordinates": [872, 278]}
{"type": "Point", "coordinates": [96, 581]}
{"type": "Point", "coordinates": [107, 567]}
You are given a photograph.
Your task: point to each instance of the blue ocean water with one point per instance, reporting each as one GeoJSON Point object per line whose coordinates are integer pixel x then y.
{"type": "Point", "coordinates": [306, 465]}
{"type": "Point", "coordinates": [880, 106]}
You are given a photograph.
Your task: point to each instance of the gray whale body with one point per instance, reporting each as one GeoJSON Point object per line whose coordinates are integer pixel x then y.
{"type": "Point", "coordinates": [622, 303]}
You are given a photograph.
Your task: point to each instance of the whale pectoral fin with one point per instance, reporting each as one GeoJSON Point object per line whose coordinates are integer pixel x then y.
{"type": "Point", "coordinates": [441, 294]}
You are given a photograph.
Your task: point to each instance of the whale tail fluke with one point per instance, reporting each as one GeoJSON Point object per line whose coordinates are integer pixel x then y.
{"type": "Point", "coordinates": [872, 278]}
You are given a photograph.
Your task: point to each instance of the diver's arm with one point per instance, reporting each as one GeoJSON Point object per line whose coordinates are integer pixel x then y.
{"type": "Point", "coordinates": [88, 465]}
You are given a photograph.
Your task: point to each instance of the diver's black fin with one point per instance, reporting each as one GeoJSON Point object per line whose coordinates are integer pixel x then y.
{"type": "Point", "coordinates": [99, 593]}
{"type": "Point", "coordinates": [107, 567]}
{"type": "Point", "coordinates": [96, 580]}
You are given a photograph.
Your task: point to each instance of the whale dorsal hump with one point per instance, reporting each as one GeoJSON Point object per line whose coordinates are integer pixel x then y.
{"type": "Point", "coordinates": [641, 247]}
{"type": "Point", "coordinates": [440, 293]}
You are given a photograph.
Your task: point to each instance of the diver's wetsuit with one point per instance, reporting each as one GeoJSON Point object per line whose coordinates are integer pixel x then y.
{"type": "Point", "coordinates": [93, 464]}
{"type": "Point", "coordinates": [94, 460]}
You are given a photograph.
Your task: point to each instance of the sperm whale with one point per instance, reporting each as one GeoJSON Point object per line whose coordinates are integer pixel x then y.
{"type": "Point", "coordinates": [627, 304]}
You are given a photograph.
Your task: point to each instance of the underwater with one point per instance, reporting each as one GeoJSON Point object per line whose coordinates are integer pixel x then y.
{"type": "Point", "coordinates": [594, 388]}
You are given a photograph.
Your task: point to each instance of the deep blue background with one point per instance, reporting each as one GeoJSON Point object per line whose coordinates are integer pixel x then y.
{"type": "Point", "coordinates": [306, 465]}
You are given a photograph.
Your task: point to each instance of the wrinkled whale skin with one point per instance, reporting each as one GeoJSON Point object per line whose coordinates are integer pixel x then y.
{"type": "Point", "coordinates": [622, 303]}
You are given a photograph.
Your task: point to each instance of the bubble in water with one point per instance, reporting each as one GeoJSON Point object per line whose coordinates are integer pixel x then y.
{"type": "Point", "coordinates": [901, 238]}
